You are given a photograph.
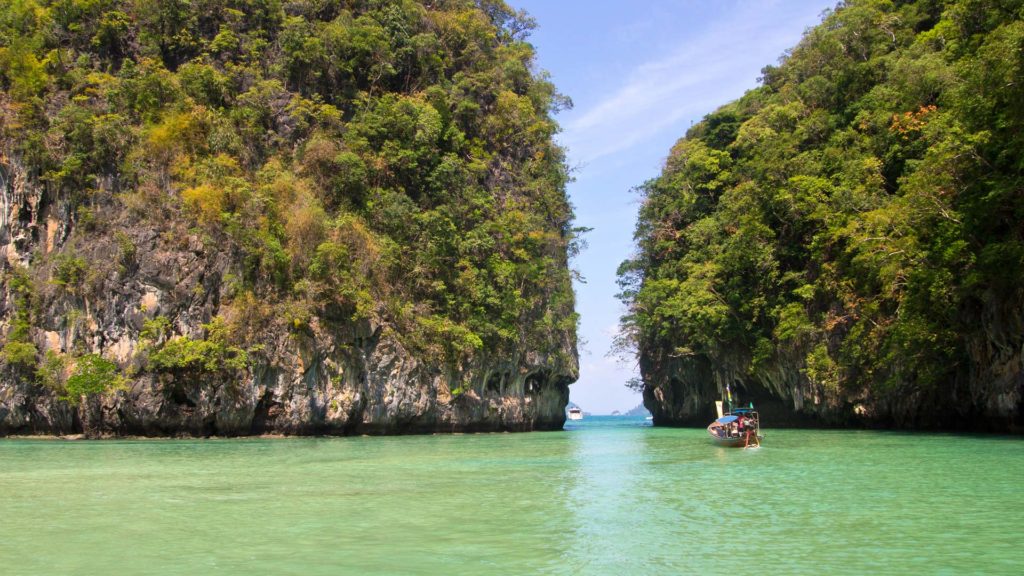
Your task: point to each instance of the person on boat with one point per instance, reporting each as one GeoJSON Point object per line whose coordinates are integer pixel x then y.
{"type": "Point", "coordinates": [751, 433]}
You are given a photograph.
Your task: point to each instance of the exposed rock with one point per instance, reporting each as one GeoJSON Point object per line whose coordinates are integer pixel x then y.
{"type": "Point", "coordinates": [335, 378]}
{"type": "Point", "coordinates": [683, 391]}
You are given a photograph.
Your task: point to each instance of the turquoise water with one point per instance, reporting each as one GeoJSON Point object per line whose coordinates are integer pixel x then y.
{"type": "Point", "coordinates": [607, 496]}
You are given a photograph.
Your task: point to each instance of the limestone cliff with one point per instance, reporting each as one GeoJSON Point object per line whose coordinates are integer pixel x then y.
{"type": "Point", "coordinates": [842, 245]}
{"type": "Point", "coordinates": [330, 378]}
{"type": "Point", "coordinates": [232, 218]}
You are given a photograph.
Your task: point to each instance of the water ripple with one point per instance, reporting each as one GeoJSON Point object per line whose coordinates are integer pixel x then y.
{"type": "Point", "coordinates": [606, 496]}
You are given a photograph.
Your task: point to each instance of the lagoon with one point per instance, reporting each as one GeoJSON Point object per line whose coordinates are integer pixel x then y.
{"type": "Point", "coordinates": [605, 496]}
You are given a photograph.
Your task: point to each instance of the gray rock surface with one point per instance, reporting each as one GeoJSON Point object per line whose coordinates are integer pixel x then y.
{"type": "Point", "coordinates": [336, 376]}
{"type": "Point", "coordinates": [987, 396]}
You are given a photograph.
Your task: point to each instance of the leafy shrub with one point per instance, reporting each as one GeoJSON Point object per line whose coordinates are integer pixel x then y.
{"type": "Point", "coordinates": [155, 329]}
{"type": "Point", "coordinates": [70, 271]}
{"type": "Point", "coordinates": [93, 375]}
{"type": "Point", "coordinates": [52, 371]}
{"type": "Point", "coordinates": [20, 353]}
{"type": "Point", "coordinates": [211, 354]}
{"type": "Point", "coordinates": [206, 199]}
{"type": "Point", "coordinates": [126, 247]}
{"type": "Point", "coordinates": [19, 350]}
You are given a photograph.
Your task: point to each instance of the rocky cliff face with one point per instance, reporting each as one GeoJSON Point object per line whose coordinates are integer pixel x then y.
{"type": "Point", "coordinates": [331, 378]}
{"type": "Point", "coordinates": [987, 397]}
{"type": "Point", "coordinates": [985, 392]}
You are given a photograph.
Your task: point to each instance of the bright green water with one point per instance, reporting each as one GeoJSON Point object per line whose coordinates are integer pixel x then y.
{"type": "Point", "coordinates": [600, 498]}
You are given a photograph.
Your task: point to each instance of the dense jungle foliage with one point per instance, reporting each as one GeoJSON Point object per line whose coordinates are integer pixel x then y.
{"type": "Point", "coordinates": [380, 160]}
{"type": "Point", "coordinates": [860, 211]}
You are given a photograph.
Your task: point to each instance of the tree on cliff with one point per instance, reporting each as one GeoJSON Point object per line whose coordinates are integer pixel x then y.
{"type": "Point", "coordinates": [854, 222]}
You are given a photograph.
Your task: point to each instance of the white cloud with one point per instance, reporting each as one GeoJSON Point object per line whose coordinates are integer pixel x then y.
{"type": "Point", "coordinates": [712, 69]}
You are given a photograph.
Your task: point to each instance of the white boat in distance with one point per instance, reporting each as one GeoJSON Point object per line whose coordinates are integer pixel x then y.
{"type": "Point", "coordinates": [575, 414]}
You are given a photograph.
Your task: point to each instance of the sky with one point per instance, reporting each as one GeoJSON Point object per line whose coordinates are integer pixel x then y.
{"type": "Point", "coordinates": [640, 74]}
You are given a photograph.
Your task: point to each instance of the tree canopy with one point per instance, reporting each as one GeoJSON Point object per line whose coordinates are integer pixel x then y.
{"type": "Point", "coordinates": [357, 159]}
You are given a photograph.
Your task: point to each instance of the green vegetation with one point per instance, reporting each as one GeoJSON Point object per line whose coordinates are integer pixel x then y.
{"type": "Point", "coordinates": [18, 350]}
{"type": "Point", "coordinates": [52, 371]}
{"type": "Point", "coordinates": [356, 159]}
{"type": "Point", "coordinates": [69, 272]}
{"type": "Point", "coordinates": [210, 354]}
{"type": "Point", "coordinates": [858, 215]}
{"type": "Point", "coordinates": [93, 375]}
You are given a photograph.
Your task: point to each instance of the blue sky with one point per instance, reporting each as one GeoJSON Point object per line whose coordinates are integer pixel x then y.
{"type": "Point", "coordinates": [640, 73]}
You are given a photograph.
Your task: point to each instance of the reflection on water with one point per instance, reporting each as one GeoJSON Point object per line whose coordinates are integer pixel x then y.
{"type": "Point", "coordinates": [606, 531]}
{"type": "Point", "coordinates": [606, 496]}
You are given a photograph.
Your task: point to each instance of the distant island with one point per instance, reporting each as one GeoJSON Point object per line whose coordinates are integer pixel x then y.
{"type": "Point", "coordinates": [638, 410]}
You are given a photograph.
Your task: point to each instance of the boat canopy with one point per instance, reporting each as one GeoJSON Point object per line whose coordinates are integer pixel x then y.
{"type": "Point", "coordinates": [727, 419]}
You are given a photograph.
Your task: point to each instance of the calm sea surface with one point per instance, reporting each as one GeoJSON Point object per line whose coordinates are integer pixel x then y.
{"type": "Point", "coordinates": [606, 496]}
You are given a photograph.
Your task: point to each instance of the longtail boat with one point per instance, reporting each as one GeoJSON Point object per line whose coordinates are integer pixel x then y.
{"type": "Point", "coordinates": [735, 427]}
